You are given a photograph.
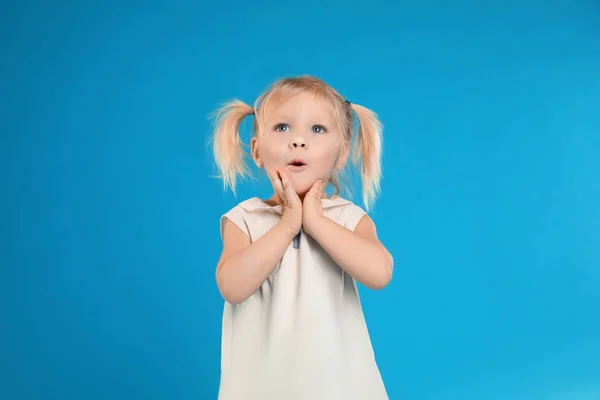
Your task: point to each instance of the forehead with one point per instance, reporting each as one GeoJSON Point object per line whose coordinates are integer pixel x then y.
{"type": "Point", "coordinates": [303, 105]}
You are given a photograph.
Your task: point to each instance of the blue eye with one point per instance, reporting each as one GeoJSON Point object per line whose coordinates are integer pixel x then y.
{"type": "Point", "coordinates": [318, 129]}
{"type": "Point", "coordinates": [282, 127]}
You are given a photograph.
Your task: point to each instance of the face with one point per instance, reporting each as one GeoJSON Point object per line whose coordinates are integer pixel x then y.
{"type": "Point", "coordinates": [302, 137]}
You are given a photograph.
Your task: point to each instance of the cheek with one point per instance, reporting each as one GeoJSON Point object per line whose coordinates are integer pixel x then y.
{"type": "Point", "coordinates": [272, 153]}
{"type": "Point", "coordinates": [328, 155]}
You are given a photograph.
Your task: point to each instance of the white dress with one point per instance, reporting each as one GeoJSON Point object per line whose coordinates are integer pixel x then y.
{"type": "Point", "coordinates": [302, 335]}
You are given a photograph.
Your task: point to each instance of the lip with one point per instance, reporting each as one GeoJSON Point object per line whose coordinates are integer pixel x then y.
{"type": "Point", "coordinates": [293, 167]}
{"type": "Point", "coordinates": [297, 168]}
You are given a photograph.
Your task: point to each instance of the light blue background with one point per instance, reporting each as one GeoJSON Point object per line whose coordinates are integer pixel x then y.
{"type": "Point", "coordinates": [490, 205]}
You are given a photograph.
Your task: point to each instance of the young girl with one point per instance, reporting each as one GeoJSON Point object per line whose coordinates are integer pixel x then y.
{"type": "Point", "coordinates": [293, 326]}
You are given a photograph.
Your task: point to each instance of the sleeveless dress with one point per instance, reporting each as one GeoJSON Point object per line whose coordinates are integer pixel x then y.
{"type": "Point", "coordinates": [302, 335]}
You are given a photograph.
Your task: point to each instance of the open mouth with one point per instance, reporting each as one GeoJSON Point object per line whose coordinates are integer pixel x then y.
{"type": "Point", "coordinates": [297, 163]}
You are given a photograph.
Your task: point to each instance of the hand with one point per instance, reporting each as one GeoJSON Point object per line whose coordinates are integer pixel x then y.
{"type": "Point", "coordinates": [312, 209]}
{"type": "Point", "coordinates": [291, 211]}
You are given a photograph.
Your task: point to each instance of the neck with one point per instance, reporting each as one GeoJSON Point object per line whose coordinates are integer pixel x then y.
{"type": "Point", "coordinates": [276, 200]}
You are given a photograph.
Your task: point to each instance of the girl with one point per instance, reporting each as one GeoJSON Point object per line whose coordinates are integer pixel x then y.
{"type": "Point", "coordinates": [293, 326]}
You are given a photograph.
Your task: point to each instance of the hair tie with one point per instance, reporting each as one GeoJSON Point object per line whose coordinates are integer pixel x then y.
{"type": "Point", "coordinates": [347, 102]}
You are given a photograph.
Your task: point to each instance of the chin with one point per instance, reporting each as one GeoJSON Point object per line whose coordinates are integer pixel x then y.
{"type": "Point", "coordinates": [302, 187]}
{"type": "Point", "coordinates": [301, 190]}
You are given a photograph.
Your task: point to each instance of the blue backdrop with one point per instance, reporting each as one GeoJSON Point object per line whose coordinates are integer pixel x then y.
{"type": "Point", "coordinates": [490, 205]}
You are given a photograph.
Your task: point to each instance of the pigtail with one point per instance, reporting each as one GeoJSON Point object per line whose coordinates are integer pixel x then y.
{"type": "Point", "coordinates": [368, 150]}
{"type": "Point", "coordinates": [227, 147]}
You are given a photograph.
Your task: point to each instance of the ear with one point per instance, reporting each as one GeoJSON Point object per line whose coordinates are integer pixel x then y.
{"type": "Point", "coordinates": [255, 152]}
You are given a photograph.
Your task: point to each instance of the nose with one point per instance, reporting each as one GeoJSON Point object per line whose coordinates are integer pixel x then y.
{"type": "Point", "coordinates": [298, 143]}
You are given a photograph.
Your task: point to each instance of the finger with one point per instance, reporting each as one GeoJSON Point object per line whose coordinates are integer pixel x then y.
{"type": "Point", "coordinates": [288, 188]}
{"type": "Point", "coordinates": [288, 185]}
{"type": "Point", "coordinates": [319, 190]}
{"type": "Point", "coordinates": [276, 182]}
{"type": "Point", "coordinates": [284, 178]}
{"type": "Point", "coordinates": [314, 190]}
{"type": "Point", "coordinates": [291, 193]}
{"type": "Point", "coordinates": [323, 186]}
{"type": "Point", "coordinates": [277, 185]}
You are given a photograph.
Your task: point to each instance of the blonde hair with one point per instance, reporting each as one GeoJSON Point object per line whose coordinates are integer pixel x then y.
{"type": "Point", "coordinates": [230, 157]}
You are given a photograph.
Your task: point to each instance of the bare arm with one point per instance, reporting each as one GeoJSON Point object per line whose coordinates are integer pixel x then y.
{"type": "Point", "coordinates": [243, 265]}
{"type": "Point", "coordinates": [358, 252]}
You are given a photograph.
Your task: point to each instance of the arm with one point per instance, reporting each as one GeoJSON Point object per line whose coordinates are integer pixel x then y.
{"type": "Point", "coordinates": [359, 253]}
{"type": "Point", "coordinates": [244, 266]}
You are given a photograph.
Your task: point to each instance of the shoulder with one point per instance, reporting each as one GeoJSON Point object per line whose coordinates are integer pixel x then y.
{"type": "Point", "coordinates": [352, 217]}
{"type": "Point", "coordinates": [344, 211]}
{"type": "Point", "coordinates": [237, 215]}
{"type": "Point", "coordinates": [246, 215]}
